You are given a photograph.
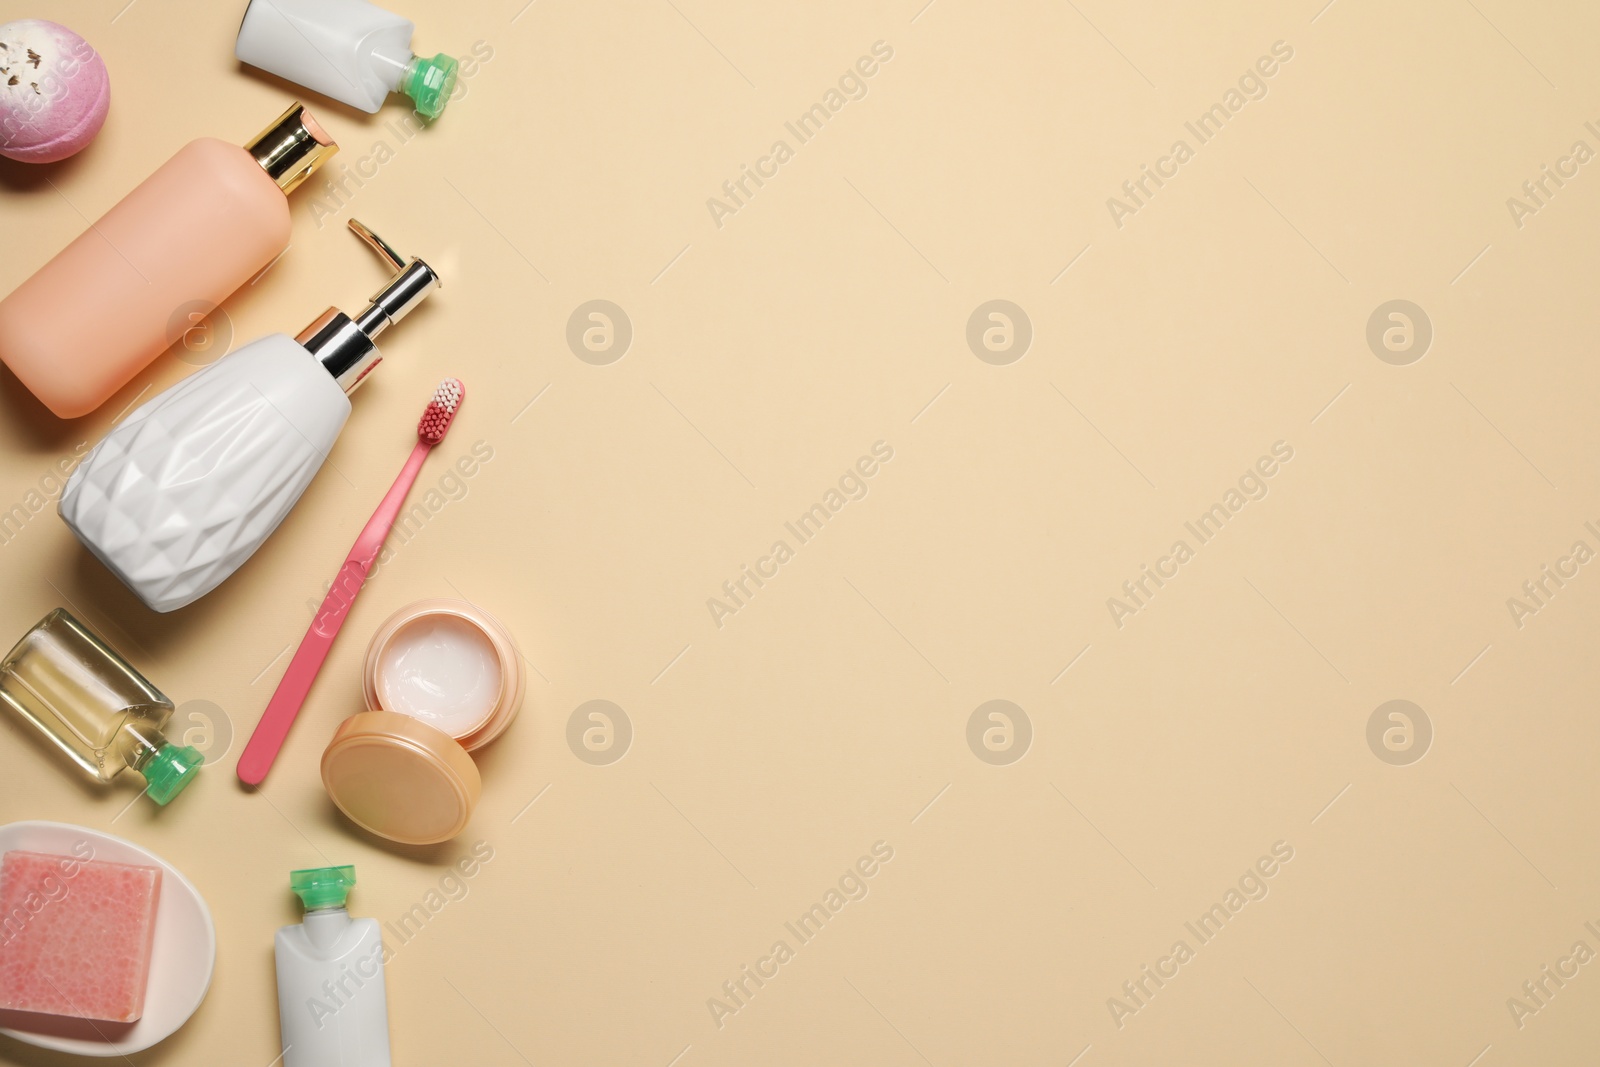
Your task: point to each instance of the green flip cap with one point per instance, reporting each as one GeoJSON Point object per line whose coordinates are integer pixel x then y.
{"type": "Point", "coordinates": [169, 770]}
{"type": "Point", "coordinates": [322, 887]}
{"type": "Point", "coordinates": [430, 82]}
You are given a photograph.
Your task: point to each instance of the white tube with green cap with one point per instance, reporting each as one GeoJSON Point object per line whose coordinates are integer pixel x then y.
{"type": "Point", "coordinates": [350, 50]}
{"type": "Point", "coordinates": [332, 1009]}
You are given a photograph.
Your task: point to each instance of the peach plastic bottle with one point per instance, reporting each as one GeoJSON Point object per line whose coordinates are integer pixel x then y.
{"type": "Point", "coordinates": [166, 255]}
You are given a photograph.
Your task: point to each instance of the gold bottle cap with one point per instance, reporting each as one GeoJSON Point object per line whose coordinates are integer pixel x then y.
{"type": "Point", "coordinates": [292, 148]}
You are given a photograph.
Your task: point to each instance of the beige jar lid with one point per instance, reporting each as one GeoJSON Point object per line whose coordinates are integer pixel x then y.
{"type": "Point", "coordinates": [455, 679]}
{"type": "Point", "coordinates": [401, 778]}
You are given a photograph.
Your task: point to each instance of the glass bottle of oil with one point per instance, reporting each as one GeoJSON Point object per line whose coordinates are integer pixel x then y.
{"type": "Point", "coordinates": [70, 686]}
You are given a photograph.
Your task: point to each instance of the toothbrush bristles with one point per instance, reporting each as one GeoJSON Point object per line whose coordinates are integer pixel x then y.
{"type": "Point", "coordinates": [440, 411]}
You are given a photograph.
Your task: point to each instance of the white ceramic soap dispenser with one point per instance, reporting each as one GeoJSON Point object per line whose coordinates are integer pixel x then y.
{"type": "Point", "coordinates": [185, 490]}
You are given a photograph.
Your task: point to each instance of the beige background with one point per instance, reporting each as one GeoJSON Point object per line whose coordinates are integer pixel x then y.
{"type": "Point", "coordinates": [831, 712]}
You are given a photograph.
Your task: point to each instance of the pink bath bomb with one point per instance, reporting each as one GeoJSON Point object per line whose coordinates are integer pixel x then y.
{"type": "Point", "coordinates": [54, 91]}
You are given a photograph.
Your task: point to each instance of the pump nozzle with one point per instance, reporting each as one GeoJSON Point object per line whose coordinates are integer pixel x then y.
{"type": "Point", "coordinates": [346, 346]}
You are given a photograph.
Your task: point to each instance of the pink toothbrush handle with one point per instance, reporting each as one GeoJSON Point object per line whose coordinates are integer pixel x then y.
{"type": "Point", "coordinates": [259, 754]}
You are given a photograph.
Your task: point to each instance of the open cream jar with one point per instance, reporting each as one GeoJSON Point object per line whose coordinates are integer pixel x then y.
{"type": "Point", "coordinates": [441, 679]}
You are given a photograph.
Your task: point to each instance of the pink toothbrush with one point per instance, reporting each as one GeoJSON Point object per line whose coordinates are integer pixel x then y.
{"type": "Point", "coordinates": [256, 760]}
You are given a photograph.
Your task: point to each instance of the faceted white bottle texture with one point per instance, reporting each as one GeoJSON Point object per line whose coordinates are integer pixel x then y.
{"type": "Point", "coordinates": [185, 490]}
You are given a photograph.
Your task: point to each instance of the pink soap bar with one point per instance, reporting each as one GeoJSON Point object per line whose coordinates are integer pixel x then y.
{"type": "Point", "coordinates": [76, 935]}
